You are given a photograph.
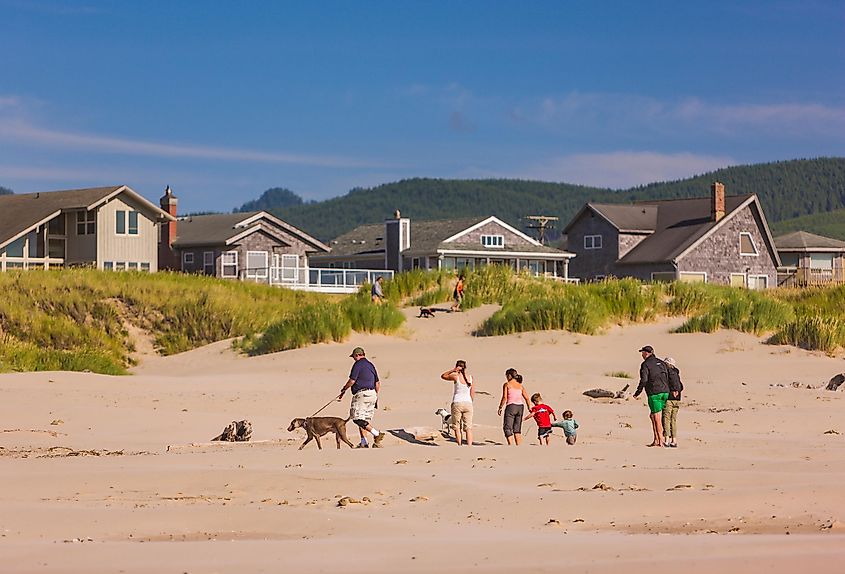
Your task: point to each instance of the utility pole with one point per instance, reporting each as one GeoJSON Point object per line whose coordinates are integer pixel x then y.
{"type": "Point", "coordinates": [541, 223]}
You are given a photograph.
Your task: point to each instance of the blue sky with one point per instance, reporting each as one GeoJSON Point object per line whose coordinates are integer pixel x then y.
{"type": "Point", "coordinates": [222, 100]}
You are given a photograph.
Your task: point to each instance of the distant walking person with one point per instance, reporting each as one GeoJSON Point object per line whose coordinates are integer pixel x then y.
{"type": "Point", "coordinates": [462, 398]}
{"type": "Point", "coordinates": [458, 294]}
{"type": "Point", "coordinates": [654, 379]}
{"type": "Point", "coordinates": [365, 385]}
{"type": "Point", "coordinates": [376, 293]}
{"type": "Point", "coordinates": [670, 411]}
{"type": "Point", "coordinates": [514, 400]}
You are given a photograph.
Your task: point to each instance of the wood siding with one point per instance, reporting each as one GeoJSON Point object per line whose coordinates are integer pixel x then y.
{"type": "Point", "coordinates": [719, 254]}
{"type": "Point", "coordinates": [590, 263]}
{"type": "Point", "coordinates": [114, 247]}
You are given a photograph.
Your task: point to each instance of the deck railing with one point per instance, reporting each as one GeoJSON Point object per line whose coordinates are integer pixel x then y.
{"type": "Point", "coordinates": [315, 279]}
{"type": "Point", "coordinates": [807, 276]}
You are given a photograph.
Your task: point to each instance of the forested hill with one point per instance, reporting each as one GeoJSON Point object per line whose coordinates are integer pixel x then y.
{"type": "Point", "coordinates": [787, 189]}
{"type": "Point", "coordinates": [829, 224]}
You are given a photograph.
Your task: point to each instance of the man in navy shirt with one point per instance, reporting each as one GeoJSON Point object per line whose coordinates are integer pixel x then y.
{"type": "Point", "coordinates": [365, 385]}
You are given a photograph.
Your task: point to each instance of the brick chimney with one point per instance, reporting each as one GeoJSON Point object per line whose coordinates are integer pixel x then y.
{"type": "Point", "coordinates": [717, 201]}
{"type": "Point", "coordinates": [167, 258]}
{"type": "Point", "coordinates": [397, 238]}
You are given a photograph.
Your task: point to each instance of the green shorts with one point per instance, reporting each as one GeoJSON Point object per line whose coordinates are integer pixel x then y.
{"type": "Point", "coordinates": [657, 402]}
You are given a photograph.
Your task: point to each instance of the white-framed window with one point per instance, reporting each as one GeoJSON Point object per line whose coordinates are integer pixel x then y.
{"type": "Point", "coordinates": [108, 265]}
{"type": "Point", "coordinates": [187, 259]}
{"type": "Point", "coordinates": [746, 244]}
{"type": "Point", "coordinates": [290, 265]}
{"type": "Point", "coordinates": [86, 222]}
{"type": "Point", "coordinates": [229, 264]}
{"type": "Point", "coordinates": [493, 240]}
{"type": "Point", "coordinates": [692, 277]}
{"type": "Point", "coordinates": [120, 222]}
{"type": "Point", "coordinates": [133, 223]}
{"type": "Point", "coordinates": [592, 242]}
{"type": "Point", "coordinates": [132, 266]}
{"type": "Point", "coordinates": [256, 264]}
{"type": "Point", "coordinates": [145, 266]}
{"type": "Point", "coordinates": [738, 280]}
{"type": "Point", "coordinates": [820, 260]}
{"type": "Point", "coordinates": [758, 281]}
{"type": "Point", "coordinates": [208, 262]}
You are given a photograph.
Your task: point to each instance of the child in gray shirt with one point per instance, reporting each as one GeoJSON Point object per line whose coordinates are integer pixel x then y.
{"type": "Point", "coordinates": [568, 424]}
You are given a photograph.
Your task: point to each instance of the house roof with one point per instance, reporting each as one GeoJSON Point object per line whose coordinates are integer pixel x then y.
{"type": "Point", "coordinates": [629, 218]}
{"type": "Point", "coordinates": [427, 238]}
{"type": "Point", "coordinates": [20, 213]}
{"type": "Point", "coordinates": [225, 228]}
{"type": "Point", "coordinates": [804, 241]}
{"type": "Point", "coordinates": [681, 223]}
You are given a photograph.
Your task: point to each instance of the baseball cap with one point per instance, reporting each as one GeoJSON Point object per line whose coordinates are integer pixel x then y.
{"type": "Point", "coordinates": [357, 351]}
{"type": "Point", "coordinates": [647, 349]}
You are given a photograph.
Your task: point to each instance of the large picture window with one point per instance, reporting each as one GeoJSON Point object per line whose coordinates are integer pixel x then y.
{"type": "Point", "coordinates": [256, 264]}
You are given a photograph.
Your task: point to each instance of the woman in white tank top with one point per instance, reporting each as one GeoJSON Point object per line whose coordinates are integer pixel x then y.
{"type": "Point", "coordinates": [462, 397]}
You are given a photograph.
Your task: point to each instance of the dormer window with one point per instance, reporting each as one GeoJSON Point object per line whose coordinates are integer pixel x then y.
{"type": "Point", "coordinates": [746, 244]}
{"type": "Point", "coordinates": [493, 241]}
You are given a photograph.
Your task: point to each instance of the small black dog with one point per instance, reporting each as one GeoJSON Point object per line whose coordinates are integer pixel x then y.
{"type": "Point", "coordinates": [425, 313]}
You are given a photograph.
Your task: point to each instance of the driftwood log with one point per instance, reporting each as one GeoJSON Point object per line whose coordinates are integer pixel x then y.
{"type": "Point", "coordinates": [835, 382]}
{"type": "Point", "coordinates": [235, 431]}
{"type": "Point", "coordinates": [604, 394]}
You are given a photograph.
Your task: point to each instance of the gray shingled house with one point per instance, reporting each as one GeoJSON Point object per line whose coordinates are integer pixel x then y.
{"type": "Point", "coordinates": [716, 239]}
{"type": "Point", "coordinates": [256, 246]}
{"type": "Point", "coordinates": [103, 227]}
{"type": "Point", "coordinates": [469, 243]}
{"type": "Point", "coordinates": [810, 259]}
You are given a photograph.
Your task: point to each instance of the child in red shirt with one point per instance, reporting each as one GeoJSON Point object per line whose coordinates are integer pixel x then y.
{"type": "Point", "coordinates": [543, 415]}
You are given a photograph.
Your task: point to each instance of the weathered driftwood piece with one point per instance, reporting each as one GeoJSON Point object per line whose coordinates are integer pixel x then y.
{"type": "Point", "coordinates": [835, 382]}
{"type": "Point", "coordinates": [605, 394]}
{"type": "Point", "coordinates": [235, 431]}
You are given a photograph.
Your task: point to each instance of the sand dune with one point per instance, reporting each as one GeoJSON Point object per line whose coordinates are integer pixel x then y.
{"type": "Point", "coordinates": [108, 474]}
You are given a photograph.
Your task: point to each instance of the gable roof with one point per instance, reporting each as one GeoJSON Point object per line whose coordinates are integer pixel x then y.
{"type": "Point", "coordinates": [227, 228]}
{"type": "Point", "coordinates": [20, 213]}
{"type": "Point", "coordinates": [427, 238]}
{"type": "Point", "coordinates": [804, 241]}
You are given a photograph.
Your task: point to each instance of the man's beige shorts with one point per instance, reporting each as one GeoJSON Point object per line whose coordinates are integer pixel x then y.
{"type": "Point", "coordinates": [363, 405]}
{"type": "Point", "coordinates": [461, 416]}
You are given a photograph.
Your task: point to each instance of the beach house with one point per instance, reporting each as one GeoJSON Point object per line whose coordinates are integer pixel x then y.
{"type": "Point", "coordinates": [466, 243]}
{"type": "Point", "coordinates": [112, 228]}
{"type": "Point", "coordinates": [718, 239]}
{"type": "Point", "coordinates": [810, 259]}
{"type": "Point", "coordinates": [255, 246]}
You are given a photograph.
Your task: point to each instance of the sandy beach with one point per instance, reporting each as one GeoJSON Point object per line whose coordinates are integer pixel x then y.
{"type": "Point", "coordinates": [116, 474]}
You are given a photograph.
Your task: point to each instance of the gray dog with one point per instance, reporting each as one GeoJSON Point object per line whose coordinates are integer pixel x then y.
{"type": "Point", "coordinates": [318, 426]}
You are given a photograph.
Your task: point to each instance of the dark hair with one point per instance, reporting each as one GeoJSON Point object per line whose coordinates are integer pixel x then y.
{"type": "Point", "coordinates": [518, 378]}
{"type": "Point", "coordinates": [463, 365]}
{"type": "Point", "coordinates": [510, 374]}
{"type": "Point", "coordinates": [567, 414]}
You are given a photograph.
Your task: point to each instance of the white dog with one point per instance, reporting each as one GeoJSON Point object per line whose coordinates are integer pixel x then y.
{"type": "Point", "coordinates": [445, 417]}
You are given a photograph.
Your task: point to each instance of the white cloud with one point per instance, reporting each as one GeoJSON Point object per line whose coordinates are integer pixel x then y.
{"type": "Point", "coordinates": [19, 131]}
{"type": "Point", "coordinates": [623, 169]}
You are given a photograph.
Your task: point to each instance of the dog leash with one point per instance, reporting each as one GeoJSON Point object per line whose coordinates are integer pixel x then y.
{"type": "Point", "coordinates": [323, 408]}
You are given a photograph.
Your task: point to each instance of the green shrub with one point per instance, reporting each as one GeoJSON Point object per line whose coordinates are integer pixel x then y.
{"type": "Point", "coordinates": [814, 332]}
{"type": "Point", "coordinates": [367, 317]}
{"type": "Point", "coordinates": [316, 323]}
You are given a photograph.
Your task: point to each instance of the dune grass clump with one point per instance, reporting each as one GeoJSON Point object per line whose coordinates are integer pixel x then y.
{"type": "Point", "coordinates": [366, 317]}
{"type": "Point", "coordinates": [743, 310]}
{"type": "Point", "coordinates": [618, 375]}
{"type": "Point", "coordinates": [22, 356]}
{"type": "Point", "coordinates": [315, 323]}
{"type": "Point", "coordinates": [813, 332]}
{"type": "Point", "coordinates": [628, 299]}
{"type": "Point", "coordinates": [572, 310]}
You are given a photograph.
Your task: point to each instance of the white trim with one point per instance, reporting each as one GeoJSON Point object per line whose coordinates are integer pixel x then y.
{"type": "Point", "coordinates": [33, 227]}
{"type": "Point", "coordinates": [491, 219]}
{"type": "Point", "coordinates": [744, 278]}
{"type": "Point", "coordinates": [753, 246]}
{"type": "Point", "coordinates": [505, 254]}
{"type": "Point", "coordinates": [134, 195]}
{"type": "Point", "coordinates": [497, 241]}
{"type": "Point", "coordinates": [286, 226]}
{"type": "Point", "coordinates": [690, 273]}
{"type": "Point", "coordinates": [185, 255]}
{"type": "Point", "coordinates": [207, 264]}
{"type": "Point", "coordinates": [765, 277]}
{"type": "Point", "coordinates": [224, 264]}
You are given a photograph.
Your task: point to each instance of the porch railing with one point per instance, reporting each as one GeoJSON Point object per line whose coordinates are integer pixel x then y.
{"type": "Point", "coordinates": [807, 276]}
{"type": "Point", "coordinates": [315, 279]}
